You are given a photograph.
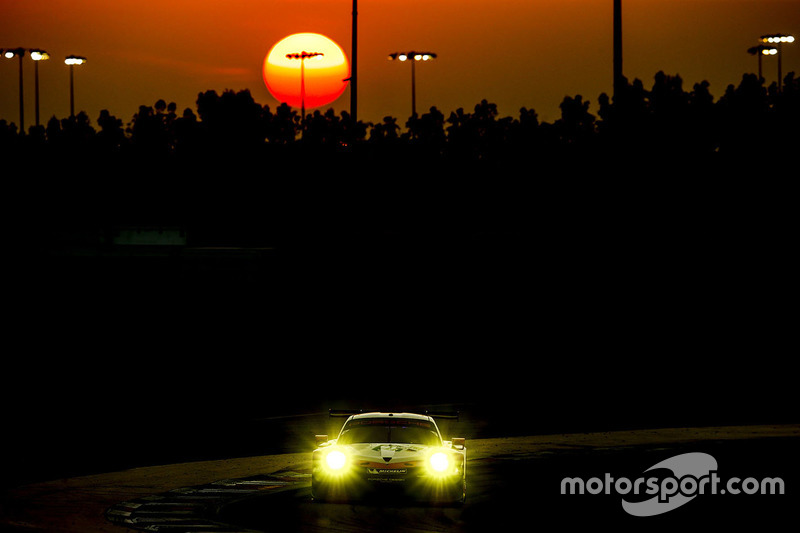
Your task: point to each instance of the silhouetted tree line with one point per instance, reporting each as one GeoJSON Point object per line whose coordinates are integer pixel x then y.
{"type": "Point", "coordinates": [233, 162]}
{"type": "Point", "coordinates": [666, 120]}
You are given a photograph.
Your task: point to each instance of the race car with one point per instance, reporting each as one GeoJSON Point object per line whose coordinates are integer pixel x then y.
{"type": "Point", "coordinates": [397, 453]}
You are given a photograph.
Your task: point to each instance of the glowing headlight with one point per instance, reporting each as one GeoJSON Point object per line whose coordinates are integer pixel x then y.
{"type": "Point", "coordinates": [439, 462]}
{"type": "Point", "coordinates": [335, 460]}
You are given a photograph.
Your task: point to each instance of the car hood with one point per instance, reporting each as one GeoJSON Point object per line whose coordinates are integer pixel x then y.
{"type": "Point", "coordinates": [388, 453]}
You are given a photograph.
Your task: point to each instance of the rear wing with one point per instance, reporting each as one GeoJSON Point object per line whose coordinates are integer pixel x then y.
{"type": "Point", "coordinates": [344, 412]}
{"type": "Point", "coordinates": [448, 415]}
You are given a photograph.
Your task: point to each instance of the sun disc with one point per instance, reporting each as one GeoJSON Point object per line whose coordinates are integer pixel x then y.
{"type": "Point", "coordinates": [323, 76]}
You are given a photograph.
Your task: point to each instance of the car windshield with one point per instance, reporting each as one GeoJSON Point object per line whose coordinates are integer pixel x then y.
{"type": "Point", "coordinates": [396, 432]}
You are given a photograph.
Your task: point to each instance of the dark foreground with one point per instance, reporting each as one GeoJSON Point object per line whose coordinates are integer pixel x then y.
{"type": "Point", "coordinates": [596, 307]}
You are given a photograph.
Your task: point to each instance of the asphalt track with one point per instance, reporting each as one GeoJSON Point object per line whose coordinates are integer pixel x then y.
{"type": "Point", "coordinates": [512, 483]}
{"type": "Point", "coordinates": [522, 491]}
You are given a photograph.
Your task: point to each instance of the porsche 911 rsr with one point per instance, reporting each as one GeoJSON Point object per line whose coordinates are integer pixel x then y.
{"type": "Point", "coordinates": [376, 453]}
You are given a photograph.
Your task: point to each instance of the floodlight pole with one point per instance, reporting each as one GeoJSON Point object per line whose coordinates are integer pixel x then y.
{"type": "Point", "coordinates": [354, 67]}
{"type": "Point", "coordinates": [413, 88]}
{"type": "Point", "coordinates": [37, 56]}
{"type": "Point", "coordinates": [71, 91]}
{"type": "Point", "coordinates": [19, 53]}
{"type": "Point", "coordinates": [760, 70]}
{"type": "Point", "coordinates": [762, 50]}
{"type": "Point", "coordinates": [21, 106]}
{"type": "Point", "coordinates": [617, 48]}
{"type": "Point", "coordinates": [71, 61]}
{"type": "Point", "coordinates": [778, 40]}
{"type": "Point", "coordinates": [36, 89]}
{"type": "Point", "coordinates": [303, 89]}
{"type": "Point", "coordinates": [413, 57]}
{"type": "Point", "coordinates": [302, 56]}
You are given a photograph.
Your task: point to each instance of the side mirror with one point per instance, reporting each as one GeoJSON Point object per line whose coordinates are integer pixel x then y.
{"type": "Point", "coordinates": [459, 443]}
{"type": "Point", "coordinates": [321, 439]}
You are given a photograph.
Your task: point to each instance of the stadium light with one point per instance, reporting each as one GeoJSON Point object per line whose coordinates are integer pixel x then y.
{"type": "Point", "coordinates": [11, 54]}
{"type": "Point", "coordinates": [37, 56]}
{"type": "Point", "coordinates": [413, 57]}
{"type": "Point", "coordinates": [72, 61]}
{"type": "Point", "coordinates": [302, 56]}
{"type": "Point", "coordinates": [761, 51]}
{"type": "Point", "coordinates": [778, 40]}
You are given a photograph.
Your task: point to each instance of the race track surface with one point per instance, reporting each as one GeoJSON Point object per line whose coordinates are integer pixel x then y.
{"type": "Point", "coordinates": [511, 482]}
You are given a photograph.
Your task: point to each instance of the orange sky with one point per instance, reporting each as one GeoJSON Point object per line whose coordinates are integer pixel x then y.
{"type": "Point", "coordinates": [514, 53]}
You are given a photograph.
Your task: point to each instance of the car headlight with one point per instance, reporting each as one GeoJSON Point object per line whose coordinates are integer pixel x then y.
{"type": "Point", "coordinates": [335, 460]}
{"type": "Point", "coordinates": [439, 462]}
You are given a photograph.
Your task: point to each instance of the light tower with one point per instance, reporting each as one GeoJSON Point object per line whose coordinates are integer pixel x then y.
{"type": "Point", "coordinates": [37, 56]}
{"type": "Point", "coordinates": [72, 61]}
{"type": "Point", "coordinates": [413, 57]}
{"type": "Point", "coordinates": [617, 48]}
{"type": "Point", "coordinates": [11, 54]}
{"type": "Point", "coordinates": [302, 56]}
{"type": "Point", "coordinates": [777, 40]}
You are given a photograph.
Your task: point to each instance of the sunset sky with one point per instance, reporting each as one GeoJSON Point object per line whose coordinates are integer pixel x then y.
{"type": "Point", "coordinates": [514, 53]}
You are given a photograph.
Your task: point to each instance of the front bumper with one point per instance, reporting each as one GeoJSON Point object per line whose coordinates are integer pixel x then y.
{"type": "Point", "coordinates": [411, 482]}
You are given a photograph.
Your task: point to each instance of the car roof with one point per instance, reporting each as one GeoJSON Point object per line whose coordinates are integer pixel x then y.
{"type": "Point", "coordinates": [377, 414]}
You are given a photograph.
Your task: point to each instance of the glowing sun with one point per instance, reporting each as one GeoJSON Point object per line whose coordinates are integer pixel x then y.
{"type": "Point", "coordinates": [309, 65]}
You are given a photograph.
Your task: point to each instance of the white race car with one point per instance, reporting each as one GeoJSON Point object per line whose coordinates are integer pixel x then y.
{"type": "Point", "coordinates": [387, 452]}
